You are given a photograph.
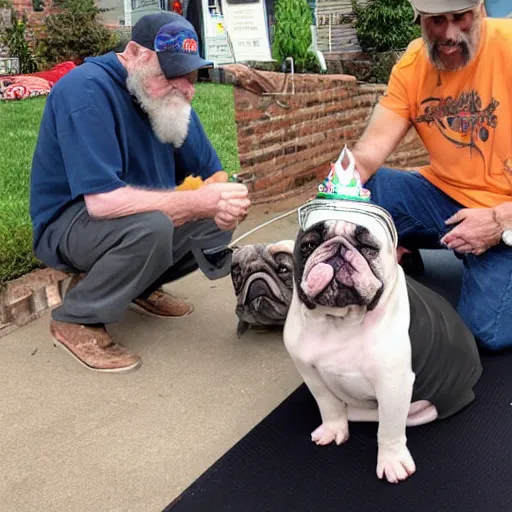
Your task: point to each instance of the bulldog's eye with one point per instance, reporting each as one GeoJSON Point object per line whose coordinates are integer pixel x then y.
{"type": "Point", "coordinates": [282, 270]}
{"type": "Point", "coordinates": [369, 252]}
{"type": "Point", "coordinates": [306, 249]}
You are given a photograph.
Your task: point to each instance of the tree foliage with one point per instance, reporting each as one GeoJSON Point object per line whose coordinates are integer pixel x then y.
{"type": "Point", "coordinates": [384, 25]}
{"type": "Point", "coordinates": [292, 34]}
{"type": "Point", "coordinates": [75, 33]}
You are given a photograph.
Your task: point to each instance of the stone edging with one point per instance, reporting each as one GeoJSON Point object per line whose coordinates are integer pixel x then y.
{"type": "Point", "coordinates": [30, 296]}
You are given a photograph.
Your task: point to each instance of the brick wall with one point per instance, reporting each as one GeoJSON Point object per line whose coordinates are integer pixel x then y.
{"type": "Point", "coordinates": [35, 28]}
{"type": "Point", "coordinates": [286, 142]}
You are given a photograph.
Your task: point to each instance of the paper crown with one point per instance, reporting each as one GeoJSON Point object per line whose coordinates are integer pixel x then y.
{"type": "Point", "coordinates": [343, 183]}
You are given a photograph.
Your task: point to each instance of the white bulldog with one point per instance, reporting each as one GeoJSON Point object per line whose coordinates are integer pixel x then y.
{"type": "Point", "coordinates": [369, 343]}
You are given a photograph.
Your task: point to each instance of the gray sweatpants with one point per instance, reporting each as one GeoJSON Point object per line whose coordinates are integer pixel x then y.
{"type": "Point", "coordinates": [127, 258]}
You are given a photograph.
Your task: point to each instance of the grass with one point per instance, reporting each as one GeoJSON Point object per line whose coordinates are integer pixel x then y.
{"type": "Point", "coordinates": [215, 107]}
{"type": "Point", "coordinates": [19, 126]}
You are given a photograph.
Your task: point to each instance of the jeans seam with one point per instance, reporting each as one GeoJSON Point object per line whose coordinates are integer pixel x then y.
{"type": "Point", "coordinates": [503, 307]}
{"type": "Point", "coordinates": [418, 224]}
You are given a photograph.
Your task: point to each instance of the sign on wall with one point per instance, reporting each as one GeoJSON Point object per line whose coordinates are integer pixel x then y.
{"type": "Point", "coordinates": [246, 25]}
{"type": "Point", "coordinates": [217, 50]}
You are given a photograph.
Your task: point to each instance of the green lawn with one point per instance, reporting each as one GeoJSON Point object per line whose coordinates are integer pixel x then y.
{"type": "Point", "coordinates": [19, 124]}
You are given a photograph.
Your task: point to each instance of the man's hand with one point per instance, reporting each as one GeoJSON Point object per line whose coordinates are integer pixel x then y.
{"type": "Point", "coordinates": [226, 203]}
{"type": "Point", "coordinates": [476, 232]}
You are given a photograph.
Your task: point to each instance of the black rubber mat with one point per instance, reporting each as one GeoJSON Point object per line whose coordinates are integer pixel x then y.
{"type": "Point", "coordinates": [464, 464]}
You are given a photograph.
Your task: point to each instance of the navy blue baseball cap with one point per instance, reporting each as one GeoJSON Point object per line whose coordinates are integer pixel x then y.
{"type": "Point", "coordinates": [174, 40]}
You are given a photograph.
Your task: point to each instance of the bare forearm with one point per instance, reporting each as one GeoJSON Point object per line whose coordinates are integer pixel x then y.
{"type": "Point", "coordinates": [180, 207]}
{"type": "Point", "coordinates": [383, 134]}
{"type": "Point", "coordinates": [368, 159]}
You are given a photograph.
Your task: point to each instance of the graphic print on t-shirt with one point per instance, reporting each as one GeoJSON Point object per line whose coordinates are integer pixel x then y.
{"type": "Point", "coordinates": [461, 120]}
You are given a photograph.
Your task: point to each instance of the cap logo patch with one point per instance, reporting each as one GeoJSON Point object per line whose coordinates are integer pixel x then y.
{"type": "Point", "coordinates": [176, 40]}
{"type": "Point", "coordinates": [189, 46]}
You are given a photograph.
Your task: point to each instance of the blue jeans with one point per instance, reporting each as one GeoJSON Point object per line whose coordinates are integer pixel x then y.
{"type": "Point", "coordinates": [419, 210]}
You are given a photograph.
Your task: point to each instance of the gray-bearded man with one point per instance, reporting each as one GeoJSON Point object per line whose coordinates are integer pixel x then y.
{"type": "Point", "coordinates": [117, 135]}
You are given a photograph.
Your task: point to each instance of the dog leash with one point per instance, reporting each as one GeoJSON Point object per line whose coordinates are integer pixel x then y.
{"type": "Point", "coordinates": [261, 226]}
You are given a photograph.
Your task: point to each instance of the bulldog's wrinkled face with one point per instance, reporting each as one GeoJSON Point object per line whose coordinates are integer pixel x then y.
{"type": "Point", "coordinates": [262, 276]}
{"type": "Point", "coordinates": [340, 264]}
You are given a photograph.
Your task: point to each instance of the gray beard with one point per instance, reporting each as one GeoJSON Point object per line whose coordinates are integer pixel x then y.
{"type": "Point", "coordinates": [169, 116]}
{"type": "Point", "coordinates": [437, 60]}
{"type": "Point", "coordinates": [467, 45]}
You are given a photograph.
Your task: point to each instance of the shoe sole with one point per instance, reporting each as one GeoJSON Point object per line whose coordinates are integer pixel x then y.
{"type": "Point", "coordinates": [125, 369]}
{"type": "Point", "coordinates": [145, 312]}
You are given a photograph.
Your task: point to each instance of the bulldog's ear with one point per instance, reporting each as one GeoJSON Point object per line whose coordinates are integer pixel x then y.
{"type": "Point", "coordinates": [241, 328]}
{"type": "Point", "coordinates": [282, 246]}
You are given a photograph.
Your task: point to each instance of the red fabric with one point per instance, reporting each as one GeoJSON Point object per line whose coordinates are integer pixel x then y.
{"type": "Point", "coordinates": [20, 87]}
{"type": "Point", "coordinates": [57, 72]}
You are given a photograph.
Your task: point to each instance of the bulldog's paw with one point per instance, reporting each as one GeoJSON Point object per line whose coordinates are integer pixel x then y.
{"type": "Point", "coordinates": [395, 465]}
{"type": "Point", "coordinates": [333, 431]}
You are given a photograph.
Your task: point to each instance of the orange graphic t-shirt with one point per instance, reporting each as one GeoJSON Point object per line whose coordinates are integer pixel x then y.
{"type": "Point", "coordinates": [464, 118]}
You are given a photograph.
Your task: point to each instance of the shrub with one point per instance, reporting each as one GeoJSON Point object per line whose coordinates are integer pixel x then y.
{"type": "Point", "coordinates": [384, 25]}
{"type": "Point", "coordinates": [292, 34]}
{"type": "Point", "coordinates": [74, 34]}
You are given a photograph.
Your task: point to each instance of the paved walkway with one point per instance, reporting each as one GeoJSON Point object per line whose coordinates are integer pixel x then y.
{"type": "Point", "coordinates": [76, 441]}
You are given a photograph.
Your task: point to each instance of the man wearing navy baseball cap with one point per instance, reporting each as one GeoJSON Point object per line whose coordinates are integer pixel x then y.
{"type": "Point", "coordinates": [174, 40]}
{"type": "Point", "coordinates": [117, 136]}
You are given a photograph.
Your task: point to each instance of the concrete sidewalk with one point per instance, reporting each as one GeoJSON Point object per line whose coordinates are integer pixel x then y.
{"type": "Point", "coordinates": [78, 441]}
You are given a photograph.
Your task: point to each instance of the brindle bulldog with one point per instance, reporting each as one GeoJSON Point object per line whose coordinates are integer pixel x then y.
{"type": "Point", "coordinates": [263, 281]}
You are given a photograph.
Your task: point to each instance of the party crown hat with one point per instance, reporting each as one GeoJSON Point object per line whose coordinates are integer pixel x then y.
{"type": "Point", "coordinates": [343, 183]}
{"type": "Point", "coordinates": [341, 196]}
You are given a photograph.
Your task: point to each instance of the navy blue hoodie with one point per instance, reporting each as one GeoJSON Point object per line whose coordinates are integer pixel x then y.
{"type": "Point", "coordinates": [94, 138]}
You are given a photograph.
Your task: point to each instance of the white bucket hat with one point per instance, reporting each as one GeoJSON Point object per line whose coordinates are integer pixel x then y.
{"type": "Point", "coordinates": [437, 7]}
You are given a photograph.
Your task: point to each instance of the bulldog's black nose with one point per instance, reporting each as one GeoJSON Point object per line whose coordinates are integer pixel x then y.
{"type": "Point", "coordinates": [258, 288]}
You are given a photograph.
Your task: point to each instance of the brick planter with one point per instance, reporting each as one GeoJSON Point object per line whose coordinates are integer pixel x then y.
{"type": "Point", "coordinates": [286, 141]}
{"type": "Point", "coordinates": [27, 298]}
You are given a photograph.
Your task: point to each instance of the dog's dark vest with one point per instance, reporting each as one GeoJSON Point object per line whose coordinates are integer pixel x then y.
{"type": "Point", "coordinates": [445, 356]}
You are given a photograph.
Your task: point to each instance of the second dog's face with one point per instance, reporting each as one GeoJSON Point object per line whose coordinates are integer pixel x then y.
{"type": "Point", "coordinates": [340, 264]}
{"type": "Point", "coordinates": [262, 277]}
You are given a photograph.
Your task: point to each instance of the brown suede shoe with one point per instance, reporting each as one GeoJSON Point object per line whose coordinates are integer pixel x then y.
{"type": "Point", "coordinates": [163, 305]}
{"type": "Point", "coordinates": [93, 348]}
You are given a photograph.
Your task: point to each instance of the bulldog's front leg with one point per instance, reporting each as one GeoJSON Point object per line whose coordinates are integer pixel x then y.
{"type": "Point", "coordinates": [333, 411]}
{"type": "Point", "coordinates": [394, 393]}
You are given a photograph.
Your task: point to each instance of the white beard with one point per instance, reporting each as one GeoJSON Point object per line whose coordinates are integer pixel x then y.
{"type": "Point", "coordinates": [169, 116]}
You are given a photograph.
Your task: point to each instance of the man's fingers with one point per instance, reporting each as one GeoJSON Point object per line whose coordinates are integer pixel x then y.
{"type": "Point", "coordinates": [456, 243]}
{"type": "Point", "coordinates": [227, 218]}
{"type": "Point", "coordinates": [464, 249]}
{"type": "Point", "coordinates": [226, 222]}
{"type": "Point", "coordinates": [457, 233]}
{"type": "Point", "coordinates": [239, 203]}
{"type": "Point", "coordinates": [457, 217]}
{"type": "Point", "coordinates": [233, 190]}
{"type": "Point", "coordinates": [449, 238]}
{"type": "Point", "coordinates": [233, 209]}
